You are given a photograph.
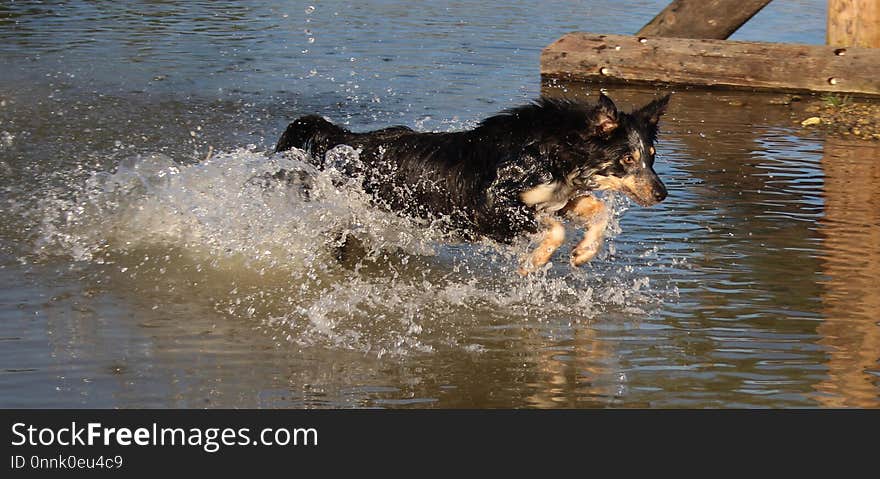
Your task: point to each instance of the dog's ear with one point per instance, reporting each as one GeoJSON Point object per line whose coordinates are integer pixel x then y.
{"type": "Point", "coordinates": [604, 118]}
{"type": "Point", "coordinates": [652, 111]}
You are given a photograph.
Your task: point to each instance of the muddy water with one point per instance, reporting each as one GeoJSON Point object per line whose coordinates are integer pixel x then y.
{"type": "Point", "coordinates": [137, 273]}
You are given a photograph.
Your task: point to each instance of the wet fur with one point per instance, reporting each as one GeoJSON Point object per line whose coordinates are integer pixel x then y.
{"type": "Point", "coordinates": [500, 179]}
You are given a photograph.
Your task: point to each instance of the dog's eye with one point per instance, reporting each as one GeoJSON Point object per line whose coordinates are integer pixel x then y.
{"type": "Point", "coordinates": [628, 159]}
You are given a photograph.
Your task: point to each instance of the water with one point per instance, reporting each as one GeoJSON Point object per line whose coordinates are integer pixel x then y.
{"type": "Point", "coordinates": [137, 273]}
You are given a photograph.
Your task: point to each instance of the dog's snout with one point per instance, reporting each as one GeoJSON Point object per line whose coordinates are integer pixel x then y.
{"type": "Point", "coordinates": [658, 189]}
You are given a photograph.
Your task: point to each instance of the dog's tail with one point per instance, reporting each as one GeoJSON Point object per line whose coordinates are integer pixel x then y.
{"type": "Point", "coordinates": [311, 133]}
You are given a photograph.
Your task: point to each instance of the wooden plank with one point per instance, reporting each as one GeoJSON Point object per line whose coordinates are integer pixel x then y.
{"type": "Point", "coordinates": [854, 23]}
{"type": "Point", "coordinates": [713, 63]}
{"type": "Point", "coordinates": [716, 19]}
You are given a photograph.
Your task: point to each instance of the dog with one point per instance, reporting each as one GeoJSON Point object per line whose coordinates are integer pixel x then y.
{"type": "Point", "coordinates": [523, 171]}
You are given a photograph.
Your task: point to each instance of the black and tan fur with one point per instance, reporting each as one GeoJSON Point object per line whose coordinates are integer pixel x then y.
{"type": "Point", "coordinates": [523, 171]}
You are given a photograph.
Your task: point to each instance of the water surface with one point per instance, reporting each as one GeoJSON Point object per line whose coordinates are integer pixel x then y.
{"type": "Point", "coordinates": [136, 273]}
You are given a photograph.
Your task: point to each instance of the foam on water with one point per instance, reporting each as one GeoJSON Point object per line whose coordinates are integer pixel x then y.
{"type": "Point", "coordinates": [266, 252]}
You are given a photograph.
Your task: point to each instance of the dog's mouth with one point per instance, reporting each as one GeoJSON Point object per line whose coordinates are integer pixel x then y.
{"type": "Point", "coordinates": [646, 190]}
{"type": "Point", "coordinates": [641, 200]}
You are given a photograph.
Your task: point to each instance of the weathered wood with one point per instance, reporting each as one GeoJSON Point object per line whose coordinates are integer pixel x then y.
{"type": "Point", "coordinates": [716, 19]}
{"type": "Point", "coordinates": [854, 23]}
{"type": "Point", "coordinates": [713, 63]}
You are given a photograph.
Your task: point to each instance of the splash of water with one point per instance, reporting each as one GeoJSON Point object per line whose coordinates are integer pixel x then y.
{"type": "Point", "coordinates": [281, 253]}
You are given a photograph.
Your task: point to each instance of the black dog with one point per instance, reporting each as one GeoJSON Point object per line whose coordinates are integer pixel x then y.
{"type": "Point", "coordinates": [515, 173]}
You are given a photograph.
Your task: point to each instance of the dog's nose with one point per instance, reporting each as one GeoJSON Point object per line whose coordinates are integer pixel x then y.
{"type": "Point", "coordinates": [660, 194]}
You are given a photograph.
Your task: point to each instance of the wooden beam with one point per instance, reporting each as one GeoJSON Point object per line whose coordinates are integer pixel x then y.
{"type": "Point", "coordinates": [854, 23]}
{"type": "Point", "coordinates": [716, 19]}
{"type": "Point", "coordinates": [713, 63]}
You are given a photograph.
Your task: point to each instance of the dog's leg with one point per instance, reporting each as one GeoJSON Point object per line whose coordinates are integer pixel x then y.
{"type": "Point", "coordinates": [591, 213]}
{"type": "Point", "coordinates": [552, 237]}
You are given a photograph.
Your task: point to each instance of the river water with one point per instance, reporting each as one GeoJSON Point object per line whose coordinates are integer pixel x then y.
{"type": "Point", "coordinates": [141, 268]}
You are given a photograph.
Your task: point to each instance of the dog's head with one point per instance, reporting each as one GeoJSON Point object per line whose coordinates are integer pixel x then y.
{"type": "Point", "coordinates": [622, 151]}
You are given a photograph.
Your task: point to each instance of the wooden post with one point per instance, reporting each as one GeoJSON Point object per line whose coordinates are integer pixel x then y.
{"type": "Point", "coordinates": [715, 19]}
{"type": "Point", "coordinates": [854, 23]}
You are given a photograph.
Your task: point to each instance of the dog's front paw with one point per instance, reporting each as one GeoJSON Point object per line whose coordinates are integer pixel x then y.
{"type": "Point", "coordinates": [527, 268]}
{"type": "Point", "coordinates": [583, 254]}
{"type": "Point", "coordinates": [530, 266]}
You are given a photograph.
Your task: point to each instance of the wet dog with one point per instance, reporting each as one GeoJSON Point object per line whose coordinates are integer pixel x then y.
{"type": "Point", "coordinates": [522, 171]}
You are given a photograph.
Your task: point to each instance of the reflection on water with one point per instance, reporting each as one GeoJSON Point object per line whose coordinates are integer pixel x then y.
{"type": "Point", "coordinates": [136, 274]}
{"type": "Point", "coordinates": [851, 265]}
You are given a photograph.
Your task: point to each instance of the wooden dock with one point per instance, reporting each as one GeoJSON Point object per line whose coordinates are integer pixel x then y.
{"type": "Point", "coordinates": [713, 63]}
{"type": "Point", "coordinates": [684, 45]}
